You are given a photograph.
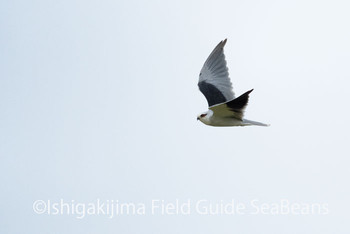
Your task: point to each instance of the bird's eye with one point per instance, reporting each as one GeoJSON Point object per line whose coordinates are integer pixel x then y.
{"type": "Point", "coordinates": [203, 115]}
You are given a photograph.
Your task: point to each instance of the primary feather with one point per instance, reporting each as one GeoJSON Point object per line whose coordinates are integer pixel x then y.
{"type": "Point", "coordinates": [214, 81]}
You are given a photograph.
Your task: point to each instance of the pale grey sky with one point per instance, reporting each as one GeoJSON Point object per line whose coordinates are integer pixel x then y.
{"type": "Point", "coordinates": [99, 101]}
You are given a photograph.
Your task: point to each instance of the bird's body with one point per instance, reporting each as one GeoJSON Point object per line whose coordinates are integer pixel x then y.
{"type": "Point", "coordinates": [212, 120]}
{"type": "Point", "coordinates": [215, 84]}
{"type": "Point", "coordinates": [215, 121]}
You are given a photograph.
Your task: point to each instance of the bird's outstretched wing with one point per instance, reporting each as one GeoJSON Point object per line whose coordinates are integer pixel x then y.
{"type": "Point", "coordinates": [232, 109]}
{"type": "Point", "coordinates": [214, 82]}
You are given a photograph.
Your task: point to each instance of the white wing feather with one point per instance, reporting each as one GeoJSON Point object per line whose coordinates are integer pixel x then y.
{"type": "Point", "coordinates": [215, 72]}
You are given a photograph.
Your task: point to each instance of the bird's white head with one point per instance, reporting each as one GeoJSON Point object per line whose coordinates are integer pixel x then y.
{"type": "Point", "coordinates": [205, 117]}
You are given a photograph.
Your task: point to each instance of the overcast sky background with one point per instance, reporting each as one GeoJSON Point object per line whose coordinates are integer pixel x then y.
{"type": "Point", "coordinates": [99, 99]}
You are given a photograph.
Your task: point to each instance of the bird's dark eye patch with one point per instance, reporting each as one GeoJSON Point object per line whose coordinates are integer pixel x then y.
{"type": "Point", "coordinates": [203, 115]}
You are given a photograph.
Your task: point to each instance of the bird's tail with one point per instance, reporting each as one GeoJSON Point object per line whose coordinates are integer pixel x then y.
{"type": "Point", "coordinates": [247, 122]}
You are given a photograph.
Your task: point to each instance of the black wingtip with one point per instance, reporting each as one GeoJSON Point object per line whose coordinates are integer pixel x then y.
{"type": "Point", "coordinates": [221, 44]}
{"type": "Point", "coordinates": [238, 104]}
{"type": "Point", "coordinates": [250, 91]}
{"type": "Point", "coordinates": [224, 42]}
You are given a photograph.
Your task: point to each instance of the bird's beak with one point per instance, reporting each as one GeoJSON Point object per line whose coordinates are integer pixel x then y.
{"type": "Point", "coordinates": [197, 118]}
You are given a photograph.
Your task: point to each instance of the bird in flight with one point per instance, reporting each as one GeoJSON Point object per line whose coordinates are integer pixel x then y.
{"type": "Point", "coordinates": [224, 108]}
